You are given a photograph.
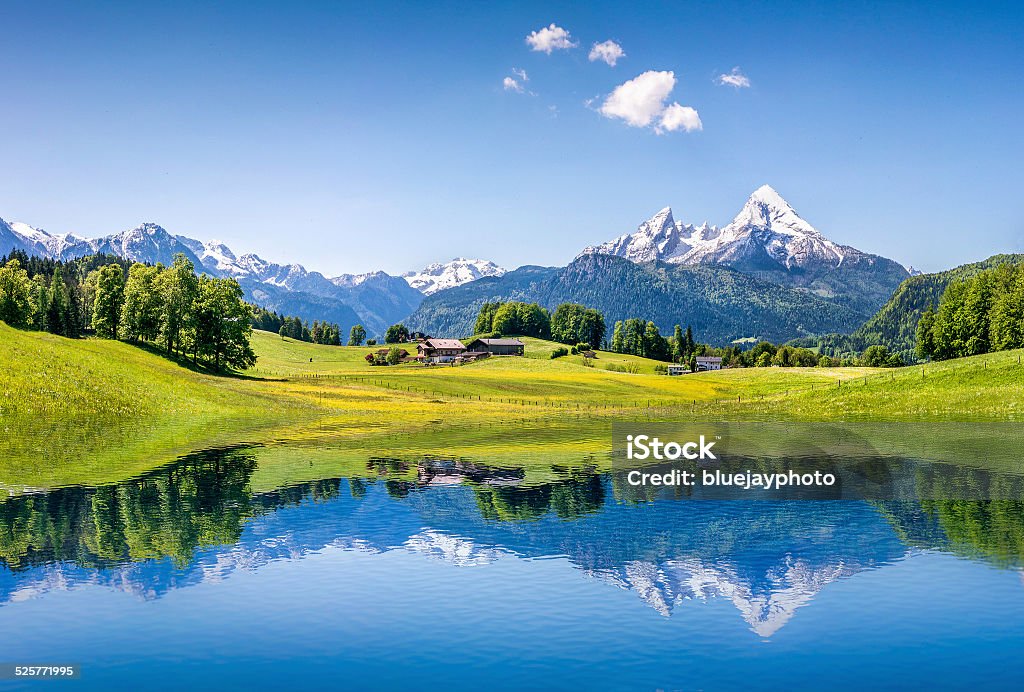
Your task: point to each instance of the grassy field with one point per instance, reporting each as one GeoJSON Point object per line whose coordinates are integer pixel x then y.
{"type": "Point", "coordinates": [90, 410]}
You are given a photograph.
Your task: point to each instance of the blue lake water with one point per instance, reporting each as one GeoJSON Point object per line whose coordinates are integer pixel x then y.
{"type": "Point", "coordinates": [456, 576]}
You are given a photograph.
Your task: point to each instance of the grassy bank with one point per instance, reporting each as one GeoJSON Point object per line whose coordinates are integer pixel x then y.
{"type": "Point", "coordinates": [76, 411]}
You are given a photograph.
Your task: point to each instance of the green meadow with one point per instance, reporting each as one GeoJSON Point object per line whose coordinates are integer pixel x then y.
{"type": "Point", "coordinates": [92, 411]}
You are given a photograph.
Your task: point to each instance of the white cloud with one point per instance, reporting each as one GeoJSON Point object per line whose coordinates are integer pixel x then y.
{"type": "Point", "coordinates": [677, 117]}
{"type": "Point", "coordinates": [735, 78]}
{"type": "Point", "coordinates": [550, 38]}
{"type": "Point", "coordinates": [517, 83]}
{"type": "Point", "coordinates": [640, 102]}
{"type": "Point", "coordinates": [512, 85]}
{"type": "Point", "coordinates": [609, 52]}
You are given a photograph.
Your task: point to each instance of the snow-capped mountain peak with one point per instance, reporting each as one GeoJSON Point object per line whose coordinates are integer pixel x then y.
{"type": "Point", "coordinates": [24, 230]}
{"type": "Point", "coordinates": [461, 270]}
{"type": "Point", "coordinates": [766, 208]}
{"type": "Point", "coordinates": [766, 235]}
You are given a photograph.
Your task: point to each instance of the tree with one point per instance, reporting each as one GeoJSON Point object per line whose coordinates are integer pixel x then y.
{"type": "Point", "coordinates": [485, 318]}
{"type": "Point", "coordinates": [394, 356]}
{"type": "Point", "coordinates": [678, 344]}
{"type": "Point", "coordinates": [925, 337]}
{"type": "Point", "coordinates": [59, 319]}
{"type": "Point", "coordinates": [396, 334]}
{"type": "Point", "coordinates": [526, 319]}
{"type": "Point", "coordinates": [222, 324]}
{"type": "Point", "coordinates": [140, 314]}
{"type": "Point", "coordinates": [106, 311]}
{"type": "Point", "coordinates": [573, 323]}
{"type": "Point", "coordinates": [618, 338]}
{"type": "Point", "coordinates": [15, 295]}
{"type": "Point", "coordinates": [178, 287]}
{"type": "Point", "coordinates": [690, 345]}
{"type": "Point", "coordinates": [356, 335]}
{"type": "Point", "coordinates": [1007, 323]}
{"type": "Point", "coordinates": [655, 346]}
{"type": "Point", "coordinates": [876, 356]}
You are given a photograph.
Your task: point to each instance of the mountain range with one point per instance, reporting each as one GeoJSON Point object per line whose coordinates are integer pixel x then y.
{"type": "Point", "coordinates": [374, 299]}
{"type": "Point", "coordinates": [769, 240]}
{"type": "Point", "coordinates": [768, 273]}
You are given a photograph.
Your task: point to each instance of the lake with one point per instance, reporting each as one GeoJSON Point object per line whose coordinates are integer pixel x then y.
{"type": "Point", "coordinates": [254, 566]}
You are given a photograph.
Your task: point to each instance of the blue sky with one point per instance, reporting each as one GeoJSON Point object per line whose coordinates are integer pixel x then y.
{"type": "Point", "coordinates": [350, 137]}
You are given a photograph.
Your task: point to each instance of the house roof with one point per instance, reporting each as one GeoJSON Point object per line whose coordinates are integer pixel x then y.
{"type": "Point", "coordinates": [709, 359]}
{"type": "Point", "coordinates": [444, 343]}
{"type": "Point", "coordinates": [500, 342]}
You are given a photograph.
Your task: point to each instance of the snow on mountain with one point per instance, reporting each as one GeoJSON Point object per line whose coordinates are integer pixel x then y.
{"type": "Point", "coordinates": [437, 277]}
{"type": "Point", "coordinates": [767, 234]}
{"type": "Point", "coordinates": [351, 280]}
{"type": "Point", "coordinates": [25, 231]}
{"type": "Point", "coordinates": [792, 584]}
{"type": "Point", "coordinates": [11, 240]}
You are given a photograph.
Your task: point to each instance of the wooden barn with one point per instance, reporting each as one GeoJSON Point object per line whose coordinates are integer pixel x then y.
{"type": "Point", "coordinates": [497, 347]}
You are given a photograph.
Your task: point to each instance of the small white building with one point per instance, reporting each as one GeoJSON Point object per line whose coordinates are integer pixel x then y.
{"type": "Point", "coordinates": [677, 369]}
{"type": "Point", "coordinates": [709, 363]}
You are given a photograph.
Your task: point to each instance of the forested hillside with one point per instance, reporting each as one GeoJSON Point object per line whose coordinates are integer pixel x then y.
{"type": "Point", "coordinates": [721, 304]}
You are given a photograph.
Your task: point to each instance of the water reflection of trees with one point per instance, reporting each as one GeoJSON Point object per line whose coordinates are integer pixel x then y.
{"type": "Point", "coordinates": [201, 500]}
{"type": "Point", "coordinates": [206, 500]}
{"type": "Point", "coordinates": [992, 530]}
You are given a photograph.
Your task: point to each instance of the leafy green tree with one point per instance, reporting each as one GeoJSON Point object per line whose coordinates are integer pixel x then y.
{"type": "Point", "coordinates": [222, 324]}
{"type": "Point", "coordinates": [15, 295]}
{"type": "Point", "coordinates": [526, 319]}
{"type": "Point", "coordinates": [678, 344]}
{"type": "Point", "coordinates": [60, 317]}
{"type": "Point", "coordinates": [140, 315]}
{"type": "Point", "coordinates": [618, 338]}
{"type": "Point", "coordinates": [876, 356]}
{"type": "Point", "coordinates": [394, 356]}
{"type": "Point", "coordinates": [1007, 322]}
{"type": "Point", "coordinates": [396, 334]}
{"type": "Point", "coordinates": [655, 345]}
{"type": "Point", "coordinates": [485, 318]}
{"type": "Point", "coordinates": [106, 311]}
{"type": "Point", "coordinates": [178, 287]}
{"type": "Point", "coordinates": [356, 335]}
{"type": "Point", "coordinates": [925, 347]}
{"type": "Point", "coordinates": [41, 302]}
{"type": "Point", "coordinates": [572, 323]}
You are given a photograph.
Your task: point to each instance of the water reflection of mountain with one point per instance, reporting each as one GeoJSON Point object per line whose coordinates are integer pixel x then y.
{"type": "Point", "coordinates": [198, 521]}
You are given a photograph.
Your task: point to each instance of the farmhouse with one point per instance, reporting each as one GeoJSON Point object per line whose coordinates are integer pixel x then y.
{"type": "Point", "coordinates": [704, 363]}
{"type": "Point", "coordinates": [440, 350]}
{"type": "Point", "coordinates": [497, 347]}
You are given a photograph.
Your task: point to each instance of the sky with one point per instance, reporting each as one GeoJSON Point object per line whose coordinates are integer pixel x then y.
{"type": "Point", "coordinates": [351, 137]}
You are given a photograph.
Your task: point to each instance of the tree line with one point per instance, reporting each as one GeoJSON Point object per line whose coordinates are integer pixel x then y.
{"type": "Point", "coordinates": [188, 315]}
{"type": "Point", "coordinates": [325, 333]}
{"type": "Point", "coordinates": [976, 315]}
{"type": "Point", "coordinates": [57, 297]}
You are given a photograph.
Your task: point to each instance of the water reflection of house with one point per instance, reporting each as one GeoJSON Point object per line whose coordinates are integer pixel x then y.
{"type": "Point", "coordinates": [455, 472]}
